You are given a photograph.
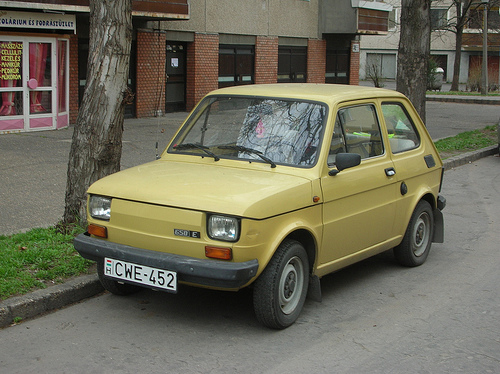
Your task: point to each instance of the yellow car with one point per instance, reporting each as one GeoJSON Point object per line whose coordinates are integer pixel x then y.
{"type": "Point", "coordinates": [271, 186]}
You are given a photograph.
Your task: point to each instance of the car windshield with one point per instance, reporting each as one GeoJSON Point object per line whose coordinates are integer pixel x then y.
{"type": "Point", "coordinates": [274, 131]}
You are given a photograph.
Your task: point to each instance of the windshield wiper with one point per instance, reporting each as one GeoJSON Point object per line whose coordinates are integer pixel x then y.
{"type": "Point", "coordinates": [240, 148]}
{"type": "Point", "coordinates": [197, 146]}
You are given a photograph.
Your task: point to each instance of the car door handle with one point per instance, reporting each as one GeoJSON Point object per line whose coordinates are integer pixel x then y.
{"type": "Point", "coordinates": [390, 172]}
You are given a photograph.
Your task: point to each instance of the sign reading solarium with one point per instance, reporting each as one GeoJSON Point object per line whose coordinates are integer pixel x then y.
{"type": "Point", "coordinates": [38, 21]}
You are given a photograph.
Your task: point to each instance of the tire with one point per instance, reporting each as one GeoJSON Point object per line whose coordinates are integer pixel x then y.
{"type": "Point", "coordinates": [416, 244]}
{"type": "Point", "coordinates": [280, 291]}
{"type": "Point", "coordinates": [116, 288]}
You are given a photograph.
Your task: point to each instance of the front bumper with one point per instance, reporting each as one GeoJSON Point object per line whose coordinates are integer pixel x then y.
{"type": "Point", "coordinates": [203, 272]}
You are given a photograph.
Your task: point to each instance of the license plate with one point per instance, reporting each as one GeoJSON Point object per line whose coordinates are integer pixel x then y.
{"type": "Point", "coordinates": [141, 274]}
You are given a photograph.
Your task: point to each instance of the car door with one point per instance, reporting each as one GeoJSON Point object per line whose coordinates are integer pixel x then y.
{"type": "Point", "coordinates": [416, 165]}
{"type": "Point", "coordinates": [359, 202]}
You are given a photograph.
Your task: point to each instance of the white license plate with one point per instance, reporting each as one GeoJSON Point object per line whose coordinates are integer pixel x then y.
{"type": "Point", "coordinates": [141, 274]}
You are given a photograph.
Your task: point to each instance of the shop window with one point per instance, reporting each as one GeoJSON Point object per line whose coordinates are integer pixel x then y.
{"type": "Point", "coordinates": [10, 77]}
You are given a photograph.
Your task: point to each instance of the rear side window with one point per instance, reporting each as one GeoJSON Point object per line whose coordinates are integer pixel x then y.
{"type": "Point", "coordinates": [403, 135]}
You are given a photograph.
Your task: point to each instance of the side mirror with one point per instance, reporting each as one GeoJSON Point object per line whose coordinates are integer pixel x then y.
{"type": "Point", "coordinates": [345, 161]}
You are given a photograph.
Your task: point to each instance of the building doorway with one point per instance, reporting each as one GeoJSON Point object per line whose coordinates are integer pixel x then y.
{"type": "Point", "coordinates": [337, 66]}
{"type": "Point", "coordinates": [175, 82]}
{"type": "Point", "coordinates": [33, 83]}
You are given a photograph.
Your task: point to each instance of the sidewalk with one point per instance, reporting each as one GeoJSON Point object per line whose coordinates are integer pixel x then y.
{"type": "Point", "coordinates": [36, 167]}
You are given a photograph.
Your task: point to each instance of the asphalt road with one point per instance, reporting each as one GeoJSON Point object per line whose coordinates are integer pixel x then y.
{"type": "Point", "coordinates": [33, 165]}
{"type": "Point", "coordinates": [376, 317]}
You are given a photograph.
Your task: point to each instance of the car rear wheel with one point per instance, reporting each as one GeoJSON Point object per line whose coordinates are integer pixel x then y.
{"type": "Point", "coordinates": [280, 291]}
{"type": "Point", "coordinates": [416, 244]}
{"type": "Point", "coordinates": [113, 286]}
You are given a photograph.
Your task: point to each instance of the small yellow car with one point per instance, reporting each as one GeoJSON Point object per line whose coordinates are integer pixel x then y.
{"type": "Point", "coordinates": [271, 186]}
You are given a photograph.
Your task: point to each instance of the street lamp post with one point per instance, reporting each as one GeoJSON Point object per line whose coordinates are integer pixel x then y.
{"type": "Point", "coordinates": [484, 71]}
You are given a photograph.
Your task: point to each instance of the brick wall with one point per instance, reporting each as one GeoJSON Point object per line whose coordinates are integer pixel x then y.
{"type": "Point", "coordinates": [202, 60]}
{"type": "Point", "coordinates": [73, 78]}
{"type": "Point", "coordinates": [266, 60]}
{"type": "Point", "coordinates": [316, 61]}
{"type": "Point", "coordinates": [151, 57]}
{"type": "Point", "coordinates": [354, 65]}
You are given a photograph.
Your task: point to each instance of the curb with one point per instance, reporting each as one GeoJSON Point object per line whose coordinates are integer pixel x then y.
{"type": "Point", "coordinates": [54, 297]}
{"type": "Point", "coordinates": [468, 157]}
{"type": "Point", "coordinates": [464, 100]}
{"type": "Point", "coordinates": [83, 287]}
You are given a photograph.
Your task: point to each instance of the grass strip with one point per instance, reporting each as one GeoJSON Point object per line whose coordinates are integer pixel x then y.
{"type": "Point", "coordinates": [467, 141]}
{"type": "Point", "coordinates": [38, 258]}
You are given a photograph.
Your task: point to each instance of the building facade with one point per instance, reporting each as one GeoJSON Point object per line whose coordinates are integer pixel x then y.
{"type": "Point", "coordinates": [379, 54]}
{"type": "Point", "coordinates": [181, 50]}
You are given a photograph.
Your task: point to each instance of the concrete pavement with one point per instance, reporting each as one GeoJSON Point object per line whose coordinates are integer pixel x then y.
{"type": "Point", "coordinates": [33, 175]}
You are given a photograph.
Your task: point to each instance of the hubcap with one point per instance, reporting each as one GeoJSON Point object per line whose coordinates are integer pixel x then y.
{"type": "Point", "coordinates": [291, 285]}
{"type": "Point", "coordinates": [421, 234]}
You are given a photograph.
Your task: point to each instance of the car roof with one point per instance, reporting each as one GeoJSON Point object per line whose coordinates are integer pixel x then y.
{"type": "Point", "coordinates": [330, 93]}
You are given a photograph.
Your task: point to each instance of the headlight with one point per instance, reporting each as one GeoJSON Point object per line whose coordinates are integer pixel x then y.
{"type": "Point", "coordinates": [224, 228]}
{"type": "Point", "coordinates": [100, 207]}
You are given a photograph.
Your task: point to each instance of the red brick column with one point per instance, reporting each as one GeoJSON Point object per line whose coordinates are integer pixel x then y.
{"type": "Point", "coordinates": [73, 78]}
{"type": "Point", "coordinates": [316, 61]}
{"type": "Point", "coordinates": [202, 60]}
{"type": "Point", "coordinates": [266, 60]}
{"type": "Point", "coordinates": [354, 66]}
{"type": "Point", "coordinates": [151, 58]}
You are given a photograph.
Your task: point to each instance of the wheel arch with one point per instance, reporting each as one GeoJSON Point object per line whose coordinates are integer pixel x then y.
{"type": "Point", "coordinates": [429, 197]}
{"type": "Point", "coordinates": [307, 239]}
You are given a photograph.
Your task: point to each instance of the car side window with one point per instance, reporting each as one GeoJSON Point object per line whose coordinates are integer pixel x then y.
{"type": "Point", "coordinates": [402, 133]}
{"type": "Point", "coordinates": [356, 130]}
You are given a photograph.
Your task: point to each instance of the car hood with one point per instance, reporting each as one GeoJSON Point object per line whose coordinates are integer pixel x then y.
{"type": "Point", "coordinates": [209, 187]}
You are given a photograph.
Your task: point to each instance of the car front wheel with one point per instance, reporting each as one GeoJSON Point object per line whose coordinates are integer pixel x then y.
{"type": "Point", "coordinates": [280, 291]}
{"type": "Point", "coordinates": [416, 244]}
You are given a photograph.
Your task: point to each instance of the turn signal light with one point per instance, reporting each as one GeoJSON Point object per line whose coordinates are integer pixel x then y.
{"type": "Point", "coordinates": [219, 253]}
{"type": "Point", "coordinates": [96, 230]}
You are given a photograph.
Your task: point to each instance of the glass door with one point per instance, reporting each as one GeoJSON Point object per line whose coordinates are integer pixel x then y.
{"type": "Point", "coordinates": [28, 83]}
{"type": "Point", "coordinates": [41, 81]}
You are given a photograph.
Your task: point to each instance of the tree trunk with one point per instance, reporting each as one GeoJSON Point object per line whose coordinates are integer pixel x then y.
{"type": "Point", "coordinates": [458, 55]}
{"type": "Point", "coordinates": [462, 16]}
{"type": "Point", "coordinates": [97, 138]}
{"type": "Point", "coordinates": [414, 52]}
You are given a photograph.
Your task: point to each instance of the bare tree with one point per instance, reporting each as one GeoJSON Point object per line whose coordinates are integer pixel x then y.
{"type": "Point", "coordinates": [465, 12]}
{"type": "Point", "coordinates": [462, 10]}
{"type": "Point", "coordinates": [97, 139]}
{"type": "Point", "coordinates": [414, 52]}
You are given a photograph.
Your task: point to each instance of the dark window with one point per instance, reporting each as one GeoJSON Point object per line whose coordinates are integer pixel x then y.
{"type": "Point", "coordinates": [236, 65]}
{"type": "Point", "coordinates": [292, 64]}
{"type": "Point", "coordinates": [439, 19]}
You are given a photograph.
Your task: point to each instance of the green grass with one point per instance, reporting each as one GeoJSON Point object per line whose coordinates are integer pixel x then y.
{"type": "Point", "coordinates": [467, 141]}
{"type": "Point", "coordinates": [36, 259]}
